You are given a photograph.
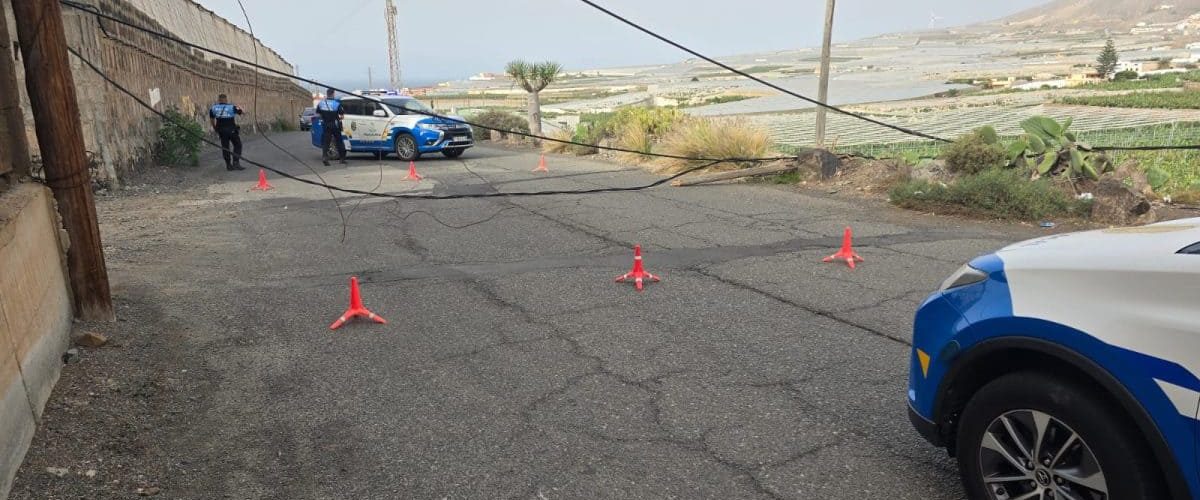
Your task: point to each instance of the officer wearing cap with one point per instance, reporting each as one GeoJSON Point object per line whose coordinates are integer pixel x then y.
{"type": "Point", "coordinates": [330, 110]}
{"type": "Point", "coordinates": [223, 116]}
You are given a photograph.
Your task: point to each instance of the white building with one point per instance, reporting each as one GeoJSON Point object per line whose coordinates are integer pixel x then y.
{"type": "Point", "coordinates": [1136, 67]}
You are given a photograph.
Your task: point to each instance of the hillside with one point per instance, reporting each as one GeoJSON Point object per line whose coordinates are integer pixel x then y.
{"type": "Point", "coordinates": [1112, 13]}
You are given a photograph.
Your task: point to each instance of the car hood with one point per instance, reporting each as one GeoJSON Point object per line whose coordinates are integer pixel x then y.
{"type": "Point", "coordinates": [1134, 242]}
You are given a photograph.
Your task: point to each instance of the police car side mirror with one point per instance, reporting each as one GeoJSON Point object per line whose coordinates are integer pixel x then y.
{"type": "Point", "coordinates": [380, 113]}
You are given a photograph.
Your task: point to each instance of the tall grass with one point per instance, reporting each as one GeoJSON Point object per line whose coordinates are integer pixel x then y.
{"type": "Point", "coordinates": [715, 138]}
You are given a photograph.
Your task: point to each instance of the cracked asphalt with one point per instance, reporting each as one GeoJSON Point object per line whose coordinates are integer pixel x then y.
{"type": "Point", "coordinates": [512, 365]}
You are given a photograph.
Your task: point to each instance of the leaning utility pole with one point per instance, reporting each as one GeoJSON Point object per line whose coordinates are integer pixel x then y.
{"type": "Point", "coordinates": [14, 145]}
{"type": "Point", "coordinates": [56, 112]}
{"type": "Point", "coordinates": [823, 85]}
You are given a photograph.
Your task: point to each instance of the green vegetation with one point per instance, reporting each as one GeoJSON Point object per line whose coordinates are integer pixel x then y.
{"type": "Point", "coordinates": [974, 152]}
{"type": "Point", "coordinates": [1142, 100]}
{"type": "Point", "coordinates": [1106, 64]}
{"type": "Point", "coordinates": [1126, 75]}
{"type": "Point", "coordinates": [1165, 81]}
{"type": "Point", "coordinates": [1050, 149]}
{"type": "Point", "coordinates": [534, 78]}
{"type": "Point", "coordinates": [720, 99]}
{"type": "Point", "coordinates": [1002, 193]}
{"type": "Point", "coordinates": [500, 121]}
{"type": "Point", "coordinates": [179, 140]}
{"type": "Point", "coordinates": [1182, 168]}
{"type": "Point", "coordinates": [763, 69]}
{"type": "Point", "coordinates": [283, 125]}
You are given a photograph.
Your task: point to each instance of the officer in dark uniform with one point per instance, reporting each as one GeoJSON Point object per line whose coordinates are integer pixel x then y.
{"type": "Point", "coordinates": [223, 116]}
{"type": "Point", "coordinates": [330, 110]}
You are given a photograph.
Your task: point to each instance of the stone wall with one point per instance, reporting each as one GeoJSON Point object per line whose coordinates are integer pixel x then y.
{"type": "Point", "coordinates": [35, 317]}
{"type": "Point", "coordinates": [120, 134]}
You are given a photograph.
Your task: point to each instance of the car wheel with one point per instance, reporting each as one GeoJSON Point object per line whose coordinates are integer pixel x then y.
{"type": "Point", "coordinates": [406, 147]}
{"type": "Point", "coordinates": [1030, 435]}
{"type": "Point", "coordinates": [453, 153]}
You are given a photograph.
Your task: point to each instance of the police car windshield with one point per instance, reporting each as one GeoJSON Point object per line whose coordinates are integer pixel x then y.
{"type": "Point", "coordinates": [401, 106]}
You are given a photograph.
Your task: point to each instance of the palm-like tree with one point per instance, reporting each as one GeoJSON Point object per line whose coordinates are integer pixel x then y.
{"type": "Point", "coordinates": [534, 77]}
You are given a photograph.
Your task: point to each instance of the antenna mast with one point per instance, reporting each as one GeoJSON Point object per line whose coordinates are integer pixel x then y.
{"type": "Point", "coordinates": [393, 45]}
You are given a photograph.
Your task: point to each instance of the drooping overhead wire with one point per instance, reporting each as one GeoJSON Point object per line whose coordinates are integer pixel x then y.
{"type": "Point", "coordinates": [108, 79]}
{"type": "Point", "coordinates": [738, 72]}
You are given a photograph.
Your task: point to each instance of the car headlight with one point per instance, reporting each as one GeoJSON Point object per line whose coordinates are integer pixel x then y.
{"type": "Point", "coordinates": [965, 275]}
{"type": "Point", "coordinates": [435, 126]}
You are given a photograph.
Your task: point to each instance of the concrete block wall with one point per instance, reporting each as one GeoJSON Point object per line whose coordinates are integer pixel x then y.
{"type": "Point", "coordinates": [35, 317]}
{"type": "Point", "coordinates": [118, 133]}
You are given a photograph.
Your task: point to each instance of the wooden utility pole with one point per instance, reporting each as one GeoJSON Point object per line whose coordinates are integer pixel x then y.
{"type": "Point", "coordinates": [60, 135]}
{"type": "Point", "coordinates": [14, 144]}
{"type": "Point", "coordinates": [823, 84]}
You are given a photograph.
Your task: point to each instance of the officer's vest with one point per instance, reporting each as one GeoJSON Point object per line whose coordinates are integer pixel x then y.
{"type": "Point", "coordinates": [224, 111]}
{"type": "Point", "coordinates": [330, 105]}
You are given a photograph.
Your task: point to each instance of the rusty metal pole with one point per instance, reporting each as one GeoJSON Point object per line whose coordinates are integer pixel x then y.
{"type": "Point", "coordinates": [14, 144]}
{"type": "Point", "coordinates": [51, 90]}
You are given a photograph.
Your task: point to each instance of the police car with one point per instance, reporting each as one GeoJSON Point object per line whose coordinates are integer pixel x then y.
{"type": "Point", "coordinates": [402, 127]}
{"type": "Point", "coordinates": [1066, 367]}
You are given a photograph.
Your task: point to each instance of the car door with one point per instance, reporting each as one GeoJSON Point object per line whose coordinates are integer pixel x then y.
{"type": "Point", "coordinates": [355, 121]}
{"type": "Point", "coordinates": [372, 124]}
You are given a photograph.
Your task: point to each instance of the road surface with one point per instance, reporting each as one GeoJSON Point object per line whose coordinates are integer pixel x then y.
{"type": "Point", "coordinates": [512, 365]}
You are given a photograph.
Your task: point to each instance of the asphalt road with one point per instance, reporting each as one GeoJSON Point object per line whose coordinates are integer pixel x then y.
{"type": "Point", "coordinates": [512, 365]}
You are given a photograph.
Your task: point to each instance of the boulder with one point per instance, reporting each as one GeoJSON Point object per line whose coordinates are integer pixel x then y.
{"type": "Point", "coordinates": [1131, 174]}
{"type": "Point", "coordinates": [1115, 203]}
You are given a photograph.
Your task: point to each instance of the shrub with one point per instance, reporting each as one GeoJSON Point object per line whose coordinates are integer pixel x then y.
{"type": "Point", "coordinates": [975, 152]}
{"type": "Point", "coordinates": [1125, 76]}
{"type": "Point", "coordinates": [283, 125]}
{"type": "Point", "coordinates": [500, 121]}
{"type": "Point", "coordinates": [561, 134]}
{"type": "Point", "coordinates": [179, 140]}
{"type": "Point", "coordinates": [708, 138]}
{"type": "Point", "coordinates": [1006, 194]}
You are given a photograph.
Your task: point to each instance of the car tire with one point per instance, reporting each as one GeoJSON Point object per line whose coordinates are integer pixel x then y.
{"type": "Point", "coordinates": [1015, 406]}
{"type": "Point", "coordinates": [406, 147]}
{"type": "Point", "coordinates": [453, 153]}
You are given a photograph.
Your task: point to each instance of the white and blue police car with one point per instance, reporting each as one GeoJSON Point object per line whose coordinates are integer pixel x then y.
{"type": "Point", "coordinates": [1065, 367]}
{"type": "Point", "coordinates": [401, 125]}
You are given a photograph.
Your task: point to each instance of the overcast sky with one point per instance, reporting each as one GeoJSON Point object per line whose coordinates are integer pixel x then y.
{"type": "Point", "coordinates": [449, 39]}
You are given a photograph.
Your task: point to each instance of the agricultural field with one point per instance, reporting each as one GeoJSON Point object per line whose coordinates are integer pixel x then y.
{"type": "Point", "coordinates": [797, 129]}
{"type": "Point", "coordinates": [1141, 100]}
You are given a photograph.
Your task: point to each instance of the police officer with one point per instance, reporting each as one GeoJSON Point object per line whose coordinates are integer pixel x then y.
{"type": "Point", "coordinates": [223, 116]}
{"type": "Point", "coordinates": [330, 110]}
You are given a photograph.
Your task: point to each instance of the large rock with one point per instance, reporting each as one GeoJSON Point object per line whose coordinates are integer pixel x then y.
{"type": "Point", "coordinates": [1116, 203]}
{"type": "Point", "coordinates": [1132, 175]}
{"type": "Point", "coordinates": [820, 163]}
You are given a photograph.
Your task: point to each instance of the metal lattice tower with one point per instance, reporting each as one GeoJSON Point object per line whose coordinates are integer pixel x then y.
{"type": "Point", "coordinates": [393, 45]}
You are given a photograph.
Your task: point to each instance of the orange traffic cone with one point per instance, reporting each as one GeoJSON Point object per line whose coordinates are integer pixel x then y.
{"type": "Point", "coordinates": [356, 310]}
{"type": "Point", "coordinates": [412, 171]}
{"type": "Point", "coordinates": [541, 165]}
{"type": "Point", "coordinates": [847, 252]}
{"type": "Point", "coordinates": [263, 185]}
{"type": "Point", "coordinates": [638, 274]}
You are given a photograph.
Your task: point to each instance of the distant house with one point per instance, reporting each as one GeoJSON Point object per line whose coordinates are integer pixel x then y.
{"type": "Point", "coordinates": [1080, 79]}
{"type": "Point", "coordinates": [1054, 84]}
{"type": "Point", "coordinates": [483, 77]}
{"type": "Point", "coordinates": [1001, 83]}
{"type": "Point", "coordinates": [1136, 67]}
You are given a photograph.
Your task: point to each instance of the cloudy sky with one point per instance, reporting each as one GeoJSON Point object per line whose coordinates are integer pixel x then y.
{"type": "Point", "coordinates": [336, 41]}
